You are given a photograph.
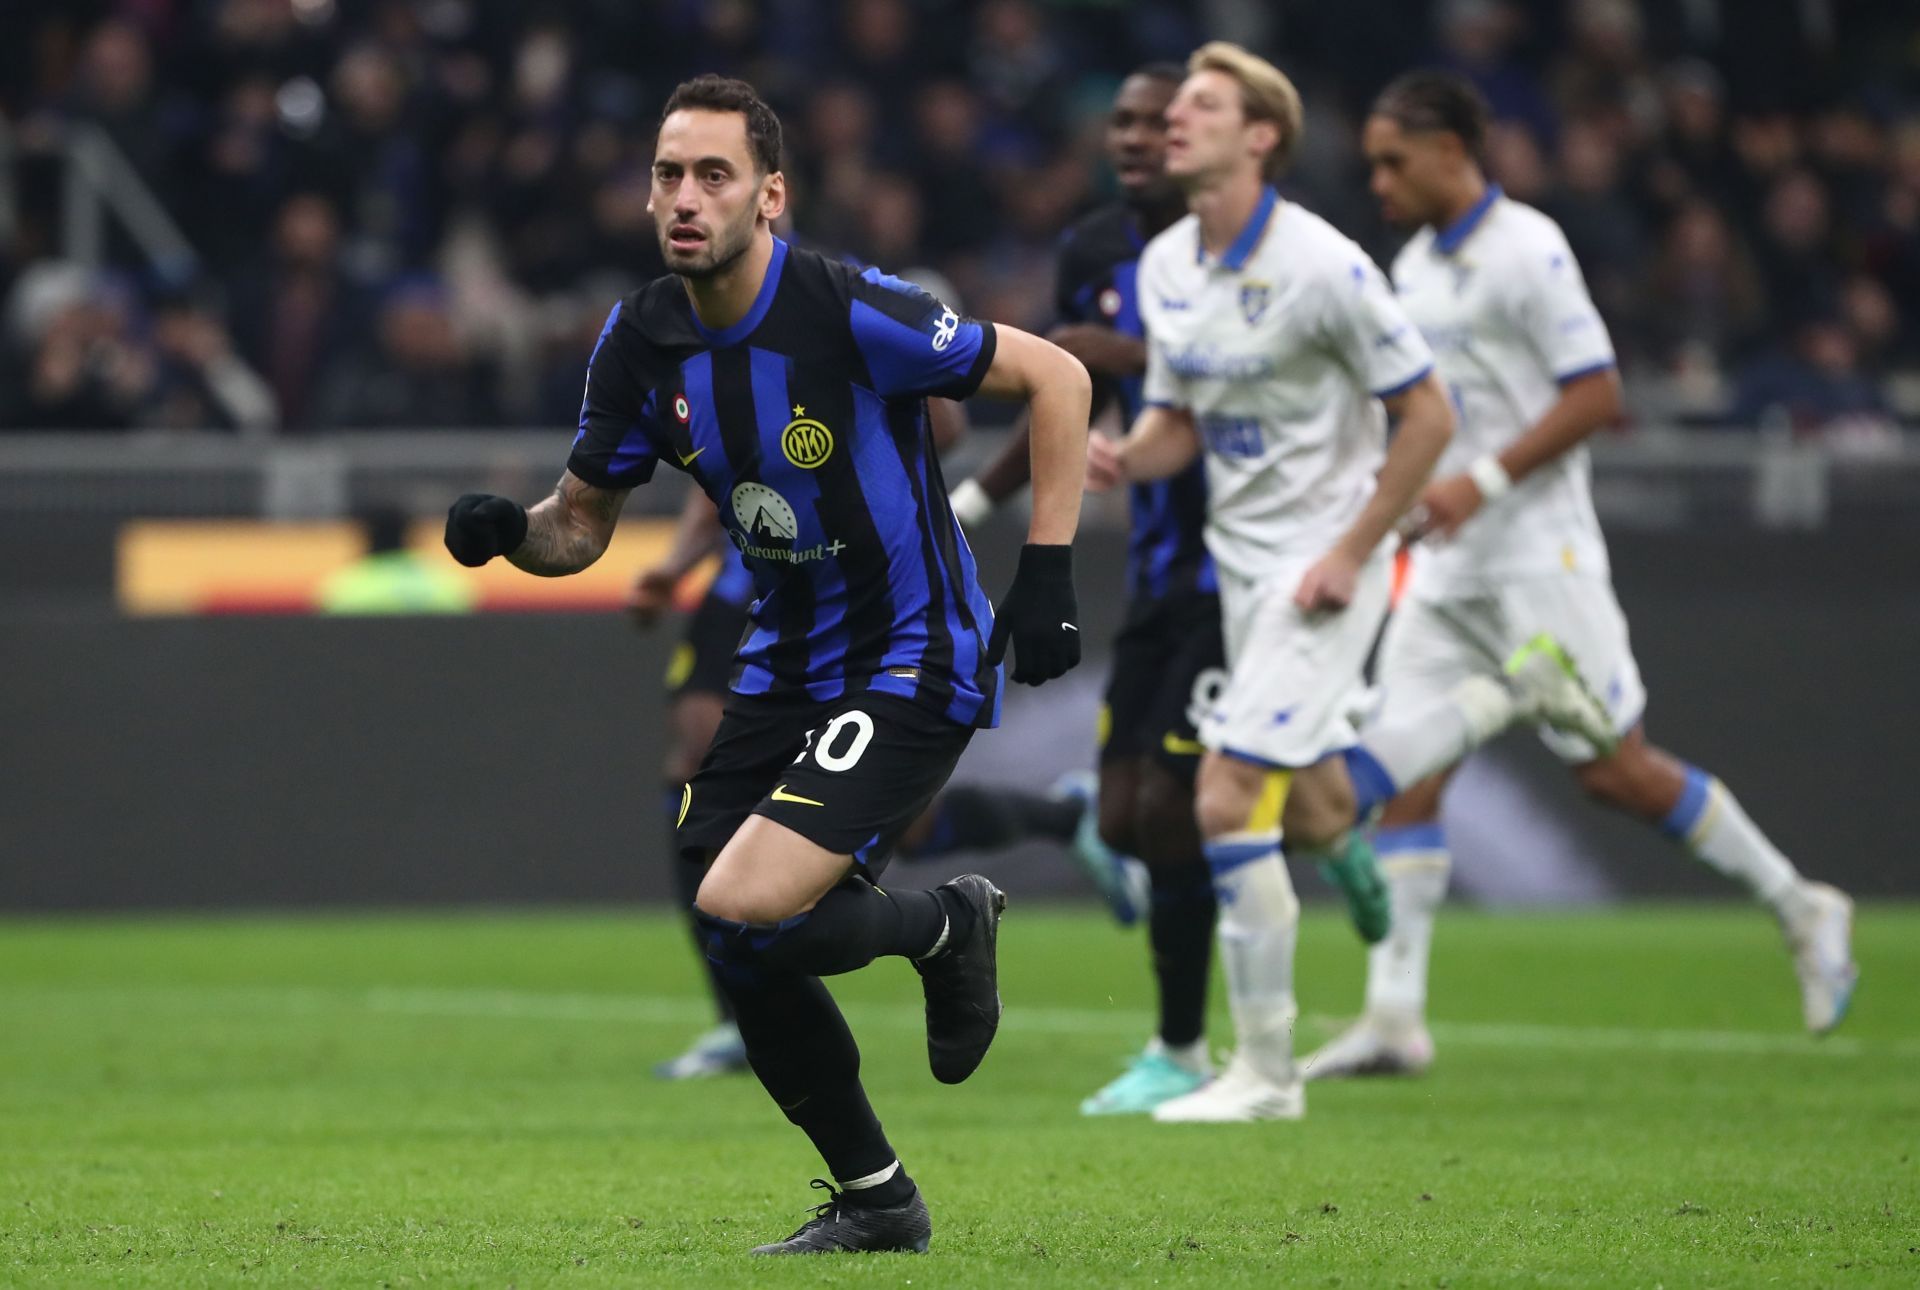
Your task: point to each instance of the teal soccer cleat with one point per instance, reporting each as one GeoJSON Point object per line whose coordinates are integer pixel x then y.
{"type": "Point", "coordinates": [1151, 1078]}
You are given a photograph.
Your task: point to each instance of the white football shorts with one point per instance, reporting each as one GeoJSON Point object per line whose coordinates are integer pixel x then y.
{"type": "Point", "coordinates": [1295, 680]}
{"type": "Point", "coordinates": [1432, 645]}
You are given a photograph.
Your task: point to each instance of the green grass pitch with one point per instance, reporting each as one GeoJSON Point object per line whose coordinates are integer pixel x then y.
{"type": "Point", "coordinates": [1622, 1099]}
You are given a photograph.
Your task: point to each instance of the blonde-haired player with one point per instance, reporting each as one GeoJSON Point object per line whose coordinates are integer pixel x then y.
{"type": "Point", "coordinates": [1272, 344]}
{"type": "Point", "coordinates": [1516, 549]}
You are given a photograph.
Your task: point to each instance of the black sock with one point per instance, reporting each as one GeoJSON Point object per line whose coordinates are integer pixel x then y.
{"type": "Point", "coordinates": [800, 1047]}
{"type": "Point", "coordinates": [853, 925]}
{"type": "Point", "coordinates": [1180, 930]}
{"type": "Point", "coordinates": [973, 818]}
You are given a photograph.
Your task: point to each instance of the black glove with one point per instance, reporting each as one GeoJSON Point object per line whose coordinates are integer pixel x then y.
{"type": "Point", "coordinates": [481, 526]}
{"type": "Point", "coordinates": [1039, 616]}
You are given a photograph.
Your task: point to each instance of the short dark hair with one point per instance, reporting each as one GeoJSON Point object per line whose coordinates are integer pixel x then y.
{"type": "Point", "coordinates": [1433, 100]}
{"type": "Point", "coordinates": [710, 93]}
{"type": "Point", "coordinates": [1163, 70]}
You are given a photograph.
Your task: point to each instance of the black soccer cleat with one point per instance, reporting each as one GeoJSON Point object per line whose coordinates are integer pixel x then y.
{"type": "Point", "coordinates": [962, 985]}
{"type": "Point", "coordinates": [839, 1228]}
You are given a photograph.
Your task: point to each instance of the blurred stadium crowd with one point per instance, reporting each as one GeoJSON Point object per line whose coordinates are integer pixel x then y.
{"type": "Point", "coordinates": [416, 212]}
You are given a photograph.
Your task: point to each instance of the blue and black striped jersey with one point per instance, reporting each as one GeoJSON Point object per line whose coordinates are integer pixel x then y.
{"type": "Point", "coordinates": [1098, 282]}
{"type": "Point", "coordinates": [806, 423]}
{"type": "Point", "coordinates": [732, 581]}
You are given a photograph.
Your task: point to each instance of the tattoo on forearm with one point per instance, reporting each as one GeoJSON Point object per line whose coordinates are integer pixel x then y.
{"type": "Point", "coordinates": [569, 530]}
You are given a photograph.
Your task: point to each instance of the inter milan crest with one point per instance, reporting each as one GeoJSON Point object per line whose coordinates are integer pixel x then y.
{"type": "Point", "coordinates": [1254, 298]}
{"type": "Point", "coordinates": [805, 441]}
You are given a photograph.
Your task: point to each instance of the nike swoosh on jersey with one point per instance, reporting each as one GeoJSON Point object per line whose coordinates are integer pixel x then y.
{"type": "Point", "coordinates": [781, 794]}
{"type": "Point", "coordinates": [688, 459]}
{"type": "Point", "coordinates": [1181, 747]}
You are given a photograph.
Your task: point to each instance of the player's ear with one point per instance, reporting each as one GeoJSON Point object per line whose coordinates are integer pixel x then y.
{"type": "Point", "coordinates": [1265, 137]}
{"type": "Point", "coordinates": [773, 196]}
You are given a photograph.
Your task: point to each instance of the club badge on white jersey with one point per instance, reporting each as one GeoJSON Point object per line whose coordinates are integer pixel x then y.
{"type": "Point", "coordinates": [1500, 300]}
{"type": "Point", "coordinates": [1281, 348]}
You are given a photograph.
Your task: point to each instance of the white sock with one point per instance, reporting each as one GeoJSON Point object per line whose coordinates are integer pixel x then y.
{"type": "Point", "coordinates": [1415, 863]}
{"type": "Point", "coordinates": [1436, 737]}
{"type": "Point", "coordinates": [1709, 822]}
{"type": "Point", "coordinates": [1259, 922]}
{"type": "Point", "coordinates": [1192, 1057]}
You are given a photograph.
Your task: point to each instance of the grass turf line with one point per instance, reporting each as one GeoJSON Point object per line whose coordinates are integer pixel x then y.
{"type": "Point", "coordinates": [465, 1100]}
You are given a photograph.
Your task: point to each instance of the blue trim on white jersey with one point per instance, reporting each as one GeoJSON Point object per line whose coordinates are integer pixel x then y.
{"type": "Point", "coordinates": [1248, 240]}
{"type": "Point", "coordinates": [1448, 240]}
{"type": "Point", "coordinates": [1405, 385]}
{"type": "Point", "coordinates": [1567, 378]}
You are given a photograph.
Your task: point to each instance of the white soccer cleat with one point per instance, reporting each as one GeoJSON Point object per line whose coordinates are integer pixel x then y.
{"type": "Point", "coordinates": [1820, 934]}
{"type": "Point", "coordinates": [1547, 686]}
{"type": "Point", "coordinates": [720, 1051]}
{"type": "Point", "coordinates": [1240, 1095]}
{"type": "Point", "coordinates": [1372, 1046]}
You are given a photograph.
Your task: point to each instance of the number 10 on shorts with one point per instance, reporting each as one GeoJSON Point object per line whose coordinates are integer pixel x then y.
{"type": "Point", "coordinates": [841, 743]}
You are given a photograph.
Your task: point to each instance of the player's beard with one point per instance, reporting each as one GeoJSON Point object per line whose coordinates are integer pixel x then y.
{"type": "Point", "coordinates": [722, 248]}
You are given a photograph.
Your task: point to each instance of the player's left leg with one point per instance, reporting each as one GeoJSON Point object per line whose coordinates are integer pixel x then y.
{"type": "Point", "coordinates": [1687, 803]}
{"type": "Point", "coordinates": [1239, 805]}
{"type": "Point", "coordinates": [778, 915]}
{"type": "Point", "coordinates": [1695, 809]}
{"type": "Point", "coordinates": [791, 898]}
{"type": "Point", "coordinates": [1289, 703]}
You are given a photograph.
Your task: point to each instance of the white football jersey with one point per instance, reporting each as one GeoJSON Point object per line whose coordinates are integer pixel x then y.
{"type": "Point", "coordinates": [1500, 299]}
{"type": "Point", "coordinates": [1281, 349]}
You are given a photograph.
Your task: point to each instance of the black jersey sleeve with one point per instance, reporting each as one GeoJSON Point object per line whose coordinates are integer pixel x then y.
{"type": "Point", "coordinates": [619, 432]}
{"type": "Point", "coordinates": [914, 344]}
{"type": "Point", "coordinates": [1072, 279]}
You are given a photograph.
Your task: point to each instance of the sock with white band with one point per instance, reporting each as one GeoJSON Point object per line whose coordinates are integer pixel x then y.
{"type": "Point", "coordinates": [1259, 924]}
{"type": "Point", "coordinates": [881, 1189]}
{"type": "Point", "coordinates": [1709, 822]}
{"type": "Point", "coordinates": [1415, 862]}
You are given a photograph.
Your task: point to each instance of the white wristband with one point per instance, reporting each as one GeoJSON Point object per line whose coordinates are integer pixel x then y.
{"type": "Point", "coordinates": [1491, 478]}
{"type": "Point", "coordinates": [970, 503]}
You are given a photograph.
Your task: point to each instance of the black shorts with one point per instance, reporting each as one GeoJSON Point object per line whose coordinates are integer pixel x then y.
{"type": "Point", "coordinates": [1169, 665]}
{"type": "Point", "coordinates": [702, 662]}
{"type": "Point", "coordinates": [847, 774]}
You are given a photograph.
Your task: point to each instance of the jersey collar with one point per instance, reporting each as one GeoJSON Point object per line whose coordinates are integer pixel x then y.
{"type": "Point", "coordinates": [1236, 256]}
{"type": "Point", "coordinates": [1448, 239]}
{"type": "Point", "coordinates": [761, 303]}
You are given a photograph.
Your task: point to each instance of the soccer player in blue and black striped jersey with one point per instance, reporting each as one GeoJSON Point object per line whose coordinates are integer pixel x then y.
{"type": "Point", "coordinates": [793, 389]}
{"type": "Point", "coordinates": [1169, 660]}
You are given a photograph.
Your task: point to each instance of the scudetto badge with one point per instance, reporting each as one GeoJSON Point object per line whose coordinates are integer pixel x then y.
{"type": "Point", "coordinates": [805, 441]}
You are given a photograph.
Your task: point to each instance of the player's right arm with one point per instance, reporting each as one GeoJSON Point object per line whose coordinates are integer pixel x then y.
{"type": "Point", "coordinates": [614, 451]}
{"type": "Point", "coordinates": [1549, 304]}
{"type": "Point", "coordinates": [561, 535]}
